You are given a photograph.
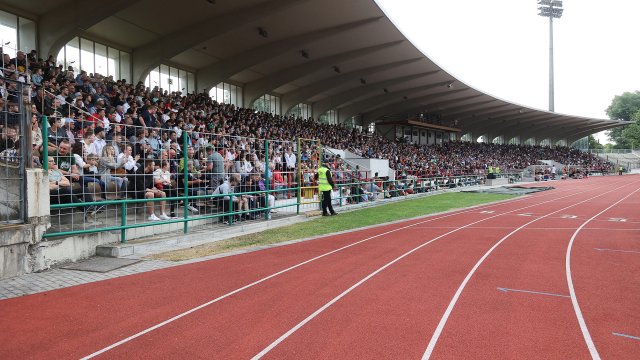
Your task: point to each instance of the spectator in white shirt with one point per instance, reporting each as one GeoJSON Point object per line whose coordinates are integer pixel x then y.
{"type": "Point", "coordinates": [99, 142]}
{"type": "Point", "coordinates": [130, 163]}
{"type": "Point", "coordinates": [290, 158]}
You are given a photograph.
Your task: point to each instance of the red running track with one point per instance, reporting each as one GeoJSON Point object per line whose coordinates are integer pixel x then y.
{"type": "Point", "coordinates": [385, 296]}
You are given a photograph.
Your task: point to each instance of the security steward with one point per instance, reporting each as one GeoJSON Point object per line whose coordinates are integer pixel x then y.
{"type": "Point", "coordinates": [325, 185]}
{"type": "Point", "coordinates": [490, 173]}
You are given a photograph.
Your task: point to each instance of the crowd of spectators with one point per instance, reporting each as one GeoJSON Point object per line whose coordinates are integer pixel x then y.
{"type": "Point", "coordinates": [111, 138]}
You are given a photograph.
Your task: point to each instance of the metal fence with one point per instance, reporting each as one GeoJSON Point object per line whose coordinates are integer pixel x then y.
{"type": "Point", "coordinates": [112, 175]}
{"type": "Point", "coordinates": [15, 145]}
{"type": "Point", "coordinates": [107, 175]}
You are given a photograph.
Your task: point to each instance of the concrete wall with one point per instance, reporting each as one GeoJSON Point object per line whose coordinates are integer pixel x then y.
{"type": "Point", "coordinates": [45, 254]}
{"type": "Point", "coordinates": [18, 240]}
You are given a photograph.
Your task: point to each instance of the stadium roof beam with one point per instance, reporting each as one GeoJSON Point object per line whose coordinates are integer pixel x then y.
{"type": "Point", "coordinates": [510, 119]}
{"type": "Point", "coordinates": [294, 97]}
{"type": "Point", "coordinates": [417, 104]}
{"type": "Point", "coordinates": [462, 112]}
{"type": "Point", "coordinates": [342, 98]}
{"type": "Point", "coordinates": [152, 54]}
{"type": "Point", "coordinates": [569, 125]}
{"type": "Point", "coordinates": [222, 70]}
{"type": "Point", "coordinates": [584, 132]}
{"type": "Point", "coordinates": [484, 116]}
{"type": "Point", "coordinates": [255, 89]}
{"type": "Point", "coordinates": [515, 124]}
{"type": "Point", "coordinates": [54, 32]}
{"type": "Point", "coordinates": [575, 133]}
{"type": "Point", "coordinates": [380, 100]}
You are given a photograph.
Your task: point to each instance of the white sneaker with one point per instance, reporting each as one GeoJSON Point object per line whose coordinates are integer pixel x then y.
{"type": "Point", "coordinates": [192, 209]}
{"type": "Point", "coordinates": [153, 217]}
{"type": "Point", "coordinates": [164, 216]}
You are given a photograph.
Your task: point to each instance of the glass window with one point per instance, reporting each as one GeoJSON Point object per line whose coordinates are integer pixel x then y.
{"type": "Point", "coordinates": [191, 83]}
{"type": "Point", "coordinates": [125, 66]}
{"type": "Point", "coordinates": [170, 79]}
{"type": "Point", "coordinates": [9, 33]}
{"type": "Point", "coordinates": [233, 90]}
{"type": "Point", "coordinates": [113, 63]}
{"type": "Point", "coordinates": [72, 55]}
{"type": "Point", "coordinates": [27, 35]}
{"type": "Point", "coordinates": [183, 82]}
{"type": "Point", "coordinates": [94, 57]}
{"type": "Point", "coordinates": [101, 59]}
{"type": "Point", "coordinates": [227, 94]}
{"type": "Point", "coordinates": [152, 79]}
{"type": "Point", "coordinates": [330, 117]}
{"type": "Point", "coordinates": [164, 77]}
{"type": "Point", "coordinates": [86, 56]}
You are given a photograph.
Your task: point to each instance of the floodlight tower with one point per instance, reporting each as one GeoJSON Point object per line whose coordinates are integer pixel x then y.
{"type": "Point", "coordinates": [551, 9]}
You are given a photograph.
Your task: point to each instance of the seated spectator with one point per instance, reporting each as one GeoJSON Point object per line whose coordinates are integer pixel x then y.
{"type": "Point", "coordinates": [87, 167]}
{"type": "Point", "coordinates": [163, 180]}
{"type": "Point", "coordinates": [61, 191]}
{"type": "Point", "coordinates": [56, 133]}
{"type": "Point", "coordinates": [227, 187]}
{"type": "Point", "coordinates": [130, 163]}
{"type": "Point", "coordinates": [142, 187]}
{"type": "Point", "coordinates": [112, 170]}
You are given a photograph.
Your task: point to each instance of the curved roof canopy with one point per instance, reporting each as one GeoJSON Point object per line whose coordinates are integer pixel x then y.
{"type": "Point", "coordinates": [332, 54]}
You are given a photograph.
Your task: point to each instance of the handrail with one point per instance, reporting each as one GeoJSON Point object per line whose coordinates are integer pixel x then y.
{"type": "Point", "coordinates": [391, 187]}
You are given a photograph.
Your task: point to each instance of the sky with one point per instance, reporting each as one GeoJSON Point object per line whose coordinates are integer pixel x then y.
{"type": "Point", "coordinates": [501, 47]}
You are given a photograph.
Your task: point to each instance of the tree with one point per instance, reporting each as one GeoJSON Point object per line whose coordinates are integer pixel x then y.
{"type": "Point", "coordinates": [623, 107]}
{"type": "Point", "coordinates": [594, 144]}
{"type": "Point", "coordinates": [631, 133]}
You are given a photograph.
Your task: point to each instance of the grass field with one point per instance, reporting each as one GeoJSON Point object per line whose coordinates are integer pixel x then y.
{"type": "Point", "coordinates": [325, 225]}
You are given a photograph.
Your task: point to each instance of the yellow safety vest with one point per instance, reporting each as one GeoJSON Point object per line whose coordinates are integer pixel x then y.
{"type": "Point", "coordinates": [323, 183]}
{"type": "Point", "coordinates": [497, 170]}
{"type": "Point", "coordinates": [490, 171]}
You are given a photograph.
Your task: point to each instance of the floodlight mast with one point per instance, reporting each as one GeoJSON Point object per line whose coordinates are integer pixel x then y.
{"type": "Point", "coordinates": [551, 9]}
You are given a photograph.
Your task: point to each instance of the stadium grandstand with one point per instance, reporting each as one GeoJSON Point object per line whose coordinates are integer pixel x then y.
{"type": "Point", "coordinates": [144, 120]}
{"type": "Point", "coordinates": [128, 128]}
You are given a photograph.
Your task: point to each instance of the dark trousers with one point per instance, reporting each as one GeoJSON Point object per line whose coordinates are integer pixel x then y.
{"type": "Point", "coordinates": [326, 203]}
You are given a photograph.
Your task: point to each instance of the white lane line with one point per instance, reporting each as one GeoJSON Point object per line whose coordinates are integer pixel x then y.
{"type": "Point", "coordinates": [505, 290]}
{"type": "Point", "coordinates": [614, 250]}
{"type": "Point", "coordinates": [344, 293]}
{"type": "Point", "coordinates": [574, 300]}
{"type": "Point", "coordinates": [436, 335]}
{"type": "Point", "coordinates": [609, 229]}
{"type": "Point", "coordinates": [168, 321]}
{"type": "Point", "coordinates": [627, 336]}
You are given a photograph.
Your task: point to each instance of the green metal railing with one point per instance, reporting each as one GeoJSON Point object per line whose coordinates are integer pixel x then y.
{"type": "Point", "coordinates": [125, 224]}
{"type": "Point", "coordinates": [305, 194]}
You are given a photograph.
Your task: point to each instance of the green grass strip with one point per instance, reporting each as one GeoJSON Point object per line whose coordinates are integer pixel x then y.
{"type": "Point", "coordinates": [346, 221]}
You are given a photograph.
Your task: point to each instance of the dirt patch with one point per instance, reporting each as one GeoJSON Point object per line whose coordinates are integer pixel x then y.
{"type": "Point", "coordinates": [209, 249]}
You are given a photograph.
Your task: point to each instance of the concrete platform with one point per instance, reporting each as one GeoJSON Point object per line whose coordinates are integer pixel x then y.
{"type": "Point", "coordinates": [101, 264]}
{"type": "Point", "coordinates": [497, 182]}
